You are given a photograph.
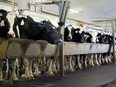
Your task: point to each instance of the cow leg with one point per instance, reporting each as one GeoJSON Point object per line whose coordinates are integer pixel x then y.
{"type": "Point", "coordinates": [92, 59]}
{"type": "Point", "coordinates": [31, 77]}
{"type": "Point", "coordinates": [110, 58]}
{"type": "Point", "coordinates": [50, 65]}
{"type": "Point", "coordinates": [106, 58]}
{"type": "Point", "coordinates": [54, 66]}
{"type": "Point", "coordinates": [26, 64]}
{"type": "Point", "coordinates": [70, 64]}
{"type": "Point", "coordinates": [37, 72]}
{"type": "Point", "coordinates": [57, 65]}
{"type": "Point", "coordinates": [14, 76]}
{"type": "Point", "coordinates": [96, 60]}
{"type": "Point", "coordinates": [65, 63]}
{"type": "Point", "coordinates": [103, 58]}
{"type": "Point", "coordinates": [78, 62]}
{"type": "Point", "coordinates": [7, 69]}
{"type": "Point", "coordinates": [89, 59]}
{"type": "Point", "coordinates": [17, 64]}
{"type": "Point", "coordinates": [43, 64]}
{"type": "Point", "coordinates": [85, 62]}
{"type": "Point", "coordinates": [100, 59]}
{"type": "Point", "coordinates": [73, 62]}
{"type": "Point", "coordinates": [1, 76]}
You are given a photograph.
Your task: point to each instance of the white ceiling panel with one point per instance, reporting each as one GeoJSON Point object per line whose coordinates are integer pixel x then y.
{"type": "Point", "coordinates": [89, 10]}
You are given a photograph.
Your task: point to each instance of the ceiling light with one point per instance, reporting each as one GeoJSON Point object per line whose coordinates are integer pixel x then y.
{"type": "Point", "coordinates": [74, 11]}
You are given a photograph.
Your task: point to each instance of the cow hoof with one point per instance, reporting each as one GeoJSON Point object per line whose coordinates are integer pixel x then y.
{"type": "Point", "coordinates": [29, 79]}
{"type": "Point", "coordinates": [32, 78]}
{"type": "Point", "coordinates": [1, 82]}
{"type": "Point", "coordinates": [16, 82]}
{"type": "Point", "coordinates": [50, 74]}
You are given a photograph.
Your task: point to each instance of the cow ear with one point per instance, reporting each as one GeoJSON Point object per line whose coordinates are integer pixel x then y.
{"type": "Point", "coordinates": [29, 18]}
{"type": "Point", "coordinates": [16, 18]}
{"type": "Point", "coordinates": [8, 12]}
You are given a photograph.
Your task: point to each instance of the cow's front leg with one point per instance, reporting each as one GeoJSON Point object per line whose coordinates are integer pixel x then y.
{"type": "Point", "coordinates": [96, 60]}
{"type": "Point", "coordinates": [37, 71]}
{"type": "Point", "coordinates": [100, 59]}
{"type": "Point", "coordinates": [1, 76]}
{"type": "Point", "coordinates": [106, 58]}
{"type": "Point", "coordinates": [17, 65]}
{"type": "Point", "coordinates": [26, 64]}
{"type": "Point", "coordinates": [110, 58]}
{"type": "Point", "coordinates": [70, 63]}
{"type": "Point", "coordinates": [91, 60]}
{"type": "Point", "coordinates": [50, 65]}
{"type": "Point", "coordinates": [31, 77]}
{"type": "Point", "coordinates": [14, 76]}
{"type": "Point", "coordinates": [54, 66]}
{"type": "Point", "coordinates": [57, 66]}
{"type": "Point", "coordinates": [78, 62]}
{"type": "Point", "coordinates": [85, 62]}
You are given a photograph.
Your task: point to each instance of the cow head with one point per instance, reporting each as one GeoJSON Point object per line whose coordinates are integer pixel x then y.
{"type": "Point", "coordinates": [68, 33]}
{"type": "Point", "coordinates": [3, 14]}
{"type": "Point", "coordinates": [50, 35]}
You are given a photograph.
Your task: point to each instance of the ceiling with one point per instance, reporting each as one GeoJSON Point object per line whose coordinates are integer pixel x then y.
{"type": "Point", "coordinates": [94, 9]}
{"type": "Point", "coordinates": [89, 10]}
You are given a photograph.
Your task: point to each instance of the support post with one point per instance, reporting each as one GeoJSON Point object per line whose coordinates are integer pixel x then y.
{"type": "Point", "coordinates": [63, 9]}
{"type": "Point", "coordinates": [113, 42]}
{"type": "Point", "coordinates": [23, 5]}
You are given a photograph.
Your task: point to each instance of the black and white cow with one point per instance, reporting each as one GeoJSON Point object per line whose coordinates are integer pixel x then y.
{"type": "Point", "coordinates": [104, 38]}
{"type": "Point", "coordinates": [4, 23]}
{"type": "Point", "coordinates": [71, 34]}
{"type": "Point", "coordinates": [29, 29]}
{"type": "Point", "coordinates": [86, 37]}
{"type": "Point", "coordinates": [4, 29]}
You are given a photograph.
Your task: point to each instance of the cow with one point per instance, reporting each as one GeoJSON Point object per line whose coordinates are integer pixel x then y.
{"type": "Point", "coordinates": [68, 33]}
{"type": "Point", "coordinates": [29, 29]}
{"type": "Point", "coordinates": [103, 38]}
{"type": "Point", "coordinates": [4, 23]}
{"type": "Point", "coordinates": [86, 37]}
{"type": "Point", "coordinates": [4, 29]}
{"type": "Point", "coordinates": [72, 34]}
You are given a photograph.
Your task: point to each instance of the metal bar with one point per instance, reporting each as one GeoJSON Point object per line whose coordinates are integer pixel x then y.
{"type": "Point", "coordinates": [13, 5]}
{"type": "Point", "coordinates": [113, 33]}
{"type": "Point", "coordinates": [45, 3]}
{"type": "Point", "coordinates": [63, 9]}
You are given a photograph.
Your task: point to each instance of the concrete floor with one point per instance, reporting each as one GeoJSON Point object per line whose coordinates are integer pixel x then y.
{"type": "Point", "coordinates": [90, 77]}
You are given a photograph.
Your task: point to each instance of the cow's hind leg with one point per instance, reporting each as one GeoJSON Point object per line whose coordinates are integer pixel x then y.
{"type": "Point", "coordinates": [14, 76]}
